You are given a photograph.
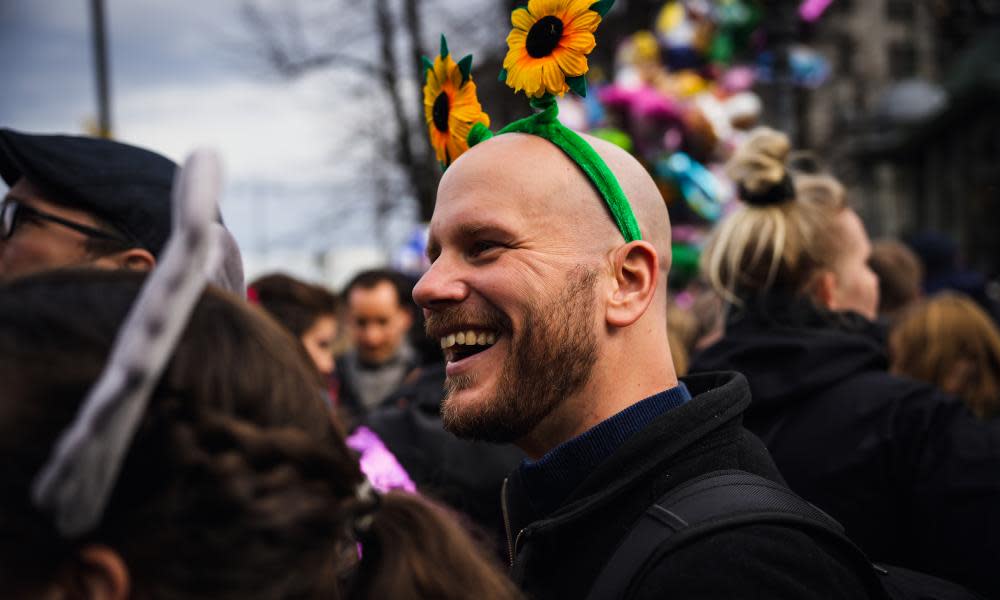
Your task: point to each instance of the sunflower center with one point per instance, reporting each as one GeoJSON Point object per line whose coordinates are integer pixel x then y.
{"type": "Point", "coordinates": [544, 36]}
{"type": "Point", "coordinates": [439, 112]}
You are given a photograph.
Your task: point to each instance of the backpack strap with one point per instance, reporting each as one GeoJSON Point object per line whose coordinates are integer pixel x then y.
{"type": "Point", "coordinates": [716, 502]}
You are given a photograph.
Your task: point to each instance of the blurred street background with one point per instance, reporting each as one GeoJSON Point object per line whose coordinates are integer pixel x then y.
{"type": "Point", "coordinates": [316, 106]}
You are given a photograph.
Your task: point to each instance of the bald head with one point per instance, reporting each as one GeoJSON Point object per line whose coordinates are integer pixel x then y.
{"type": "Point", "coordinates": [553, 188]}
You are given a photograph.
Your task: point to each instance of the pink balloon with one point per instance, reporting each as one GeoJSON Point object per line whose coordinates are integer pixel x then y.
{"type": "Point", "coordinates": [738, 79]}
{"type": "Point", "coordinates": [810, 10]}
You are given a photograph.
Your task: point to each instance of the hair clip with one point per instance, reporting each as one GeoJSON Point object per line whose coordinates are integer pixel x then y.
{"type": "Point", "coordinates": [779, 193]}
{"type": "Point", "coordinates": [78, 479]}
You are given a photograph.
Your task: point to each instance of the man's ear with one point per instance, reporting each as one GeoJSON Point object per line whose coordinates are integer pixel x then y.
{"type": "Point", "coordinates": [133, 259]}
{"type": "Point", "coordinates": [823, 289]}
{"type": "Point", "coordinates": [636, 268]}
{"type": "Point", "coordinates": [98, 573]}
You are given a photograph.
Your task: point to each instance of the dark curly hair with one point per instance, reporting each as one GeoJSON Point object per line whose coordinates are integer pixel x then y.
{"type": "Point", "coordinates": [236, 484]}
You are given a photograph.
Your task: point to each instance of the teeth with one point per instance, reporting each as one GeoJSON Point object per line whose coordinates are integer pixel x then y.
{"type": "Point", "coordinates": [468, 338]}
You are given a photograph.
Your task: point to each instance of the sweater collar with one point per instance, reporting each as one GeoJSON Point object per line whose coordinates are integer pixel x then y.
{"type": "Point", "coordinates": [550, 479]}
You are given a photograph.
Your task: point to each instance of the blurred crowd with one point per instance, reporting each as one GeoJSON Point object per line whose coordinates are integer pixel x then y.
{"type": "Point", "coordinates": [296, 444]}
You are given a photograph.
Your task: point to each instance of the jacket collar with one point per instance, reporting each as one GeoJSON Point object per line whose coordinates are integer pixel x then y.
{"type": "Point", "coordinates": [718, 400]}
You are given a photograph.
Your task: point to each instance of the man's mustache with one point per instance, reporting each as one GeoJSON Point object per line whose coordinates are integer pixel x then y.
{"type": "Point", "coordinates": [442, 322]}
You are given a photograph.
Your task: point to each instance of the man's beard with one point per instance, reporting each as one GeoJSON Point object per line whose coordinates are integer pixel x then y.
{"type": "Point", "coordinates": [553, 358]}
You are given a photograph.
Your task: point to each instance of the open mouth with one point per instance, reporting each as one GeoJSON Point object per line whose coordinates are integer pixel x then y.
{"type": "Point", "coordinates": [463, 344]}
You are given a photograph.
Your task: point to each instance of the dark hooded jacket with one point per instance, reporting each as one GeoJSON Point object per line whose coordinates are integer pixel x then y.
{"type": "Point", "coordinates": [560, 554]}
{"type": "Point", "coordinates": [910, 473]}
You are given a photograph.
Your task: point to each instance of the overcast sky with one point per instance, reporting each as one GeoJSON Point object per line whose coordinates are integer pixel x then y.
{"type": "Point", "coordinates": [183, 75]}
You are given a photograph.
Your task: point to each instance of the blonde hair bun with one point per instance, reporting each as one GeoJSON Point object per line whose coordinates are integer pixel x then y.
{"type": "Point", "coordinates": [758, 168]}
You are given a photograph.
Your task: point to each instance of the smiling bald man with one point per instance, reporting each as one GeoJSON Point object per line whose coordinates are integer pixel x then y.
{"type": "Point", "coordinates": [555, 335]}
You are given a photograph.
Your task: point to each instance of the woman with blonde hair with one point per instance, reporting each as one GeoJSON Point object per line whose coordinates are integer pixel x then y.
{"type": "Point", "coordinates": [908, 471]}
{"type": "Point", "coordinates": [951, 343]}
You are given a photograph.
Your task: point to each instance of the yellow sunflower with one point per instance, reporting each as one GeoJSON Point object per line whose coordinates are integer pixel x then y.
{"type": "Point", "coordinates": [451, 107]}
{"type": "Point", "coordinates": [550, 43]}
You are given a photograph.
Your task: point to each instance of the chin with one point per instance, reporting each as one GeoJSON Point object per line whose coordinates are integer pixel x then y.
{"type": "Point", "coordinates": [467, 394]}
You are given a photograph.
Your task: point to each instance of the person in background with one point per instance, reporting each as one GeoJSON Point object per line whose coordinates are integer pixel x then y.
{"type": "Point", "coordinates": [378, 318]}
{"type": "Point", "coordinates": [951, 343]}
{"type": "Point", "coordinates": [695, 315]}
{"type": "Point", "coordinates": [681, 336]}
{"type": "Point", "coordinates": [944, 269]}
{"type": "Point", "coordinates": [900, 277]}
{"type": "Point", "coordinates": [308, 312]}
{"type": "Point", "coordinates": [84, 201]}
{"type": "Point", "coordinates": [910, 472]}
{"type": "Point", "coordinates": [234, 483]}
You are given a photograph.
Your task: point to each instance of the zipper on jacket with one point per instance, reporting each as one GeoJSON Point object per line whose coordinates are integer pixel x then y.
{"type": "Point", "coordinates": [511, 540]}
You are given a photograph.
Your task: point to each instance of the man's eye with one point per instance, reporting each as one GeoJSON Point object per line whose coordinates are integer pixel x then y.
{"type": "Point", "coordinates": [482, 246]}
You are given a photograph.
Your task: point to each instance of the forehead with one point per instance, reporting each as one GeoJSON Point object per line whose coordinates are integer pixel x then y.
{"type": "Point", "coordinates": [474, 196]}
{"type": "Point", "coordinates": [380, 298]}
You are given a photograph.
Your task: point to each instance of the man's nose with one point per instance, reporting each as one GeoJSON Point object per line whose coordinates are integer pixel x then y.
{"type": "Point", "coordinates": [441, 284]}
{"type": "Point", "coordinates": [369, 334]}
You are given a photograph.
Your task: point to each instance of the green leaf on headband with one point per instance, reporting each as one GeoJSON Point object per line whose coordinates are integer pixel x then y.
{"type": "Point", "coordinates": [478, 133]}
{"type": "Point", "coordinates": [444, 46]}
{"type": "Point", "coordinates": [602, 6]}
{"type": "Point", "coordinates": [503, 75]}
{"type": "Point", "coordinates": [578, 85]}
{"type": "Point", "coordinates": [427, 63]}
{"type": "Point", "coordinates": [465, 67]}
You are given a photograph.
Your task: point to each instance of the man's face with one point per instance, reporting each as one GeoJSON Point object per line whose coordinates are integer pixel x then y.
{"type": "Point", "coordinates": [378, 324]}
{"type": "Point", "coordinates": [508, 269]}
{"type": "Point", "coordinates": [38, 244]}
{"type": "Point", "coordinates": [551, 356]}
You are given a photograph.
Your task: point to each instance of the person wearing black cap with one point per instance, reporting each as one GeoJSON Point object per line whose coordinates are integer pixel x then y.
{"type": "Point", "coordinates": [77, 200]}
{"type": "Point", "coordinates": [81, 201]}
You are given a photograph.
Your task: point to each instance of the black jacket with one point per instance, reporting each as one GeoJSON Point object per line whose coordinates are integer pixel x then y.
{"type": "Point", "coordinates": [463, 474]}
{"type": "Point", "coordinates": [908, 471]}
{"type": "Point", "coordinates": [559, 555]}
{"type": "Point", "coordinates": [351, 409]}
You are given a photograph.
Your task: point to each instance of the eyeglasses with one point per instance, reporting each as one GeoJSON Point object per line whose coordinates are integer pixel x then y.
{"type": "Point", "coordinates": [12, 211]}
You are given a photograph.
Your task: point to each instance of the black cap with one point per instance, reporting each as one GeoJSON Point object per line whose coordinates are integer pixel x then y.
{"type": "Point", "coordinates": [126, 186]}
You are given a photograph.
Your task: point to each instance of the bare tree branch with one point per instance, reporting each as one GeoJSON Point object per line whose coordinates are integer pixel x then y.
{"type": "Point", "coordinates": [282, 39]}
{"type": "Point", "coordinates": [287, 54]}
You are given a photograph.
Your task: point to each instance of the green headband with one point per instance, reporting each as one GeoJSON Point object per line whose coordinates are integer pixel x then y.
{"type": "Point", "coordinates": [545, 124]}
{"type": "Point", "coordinates": [540, 28]}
